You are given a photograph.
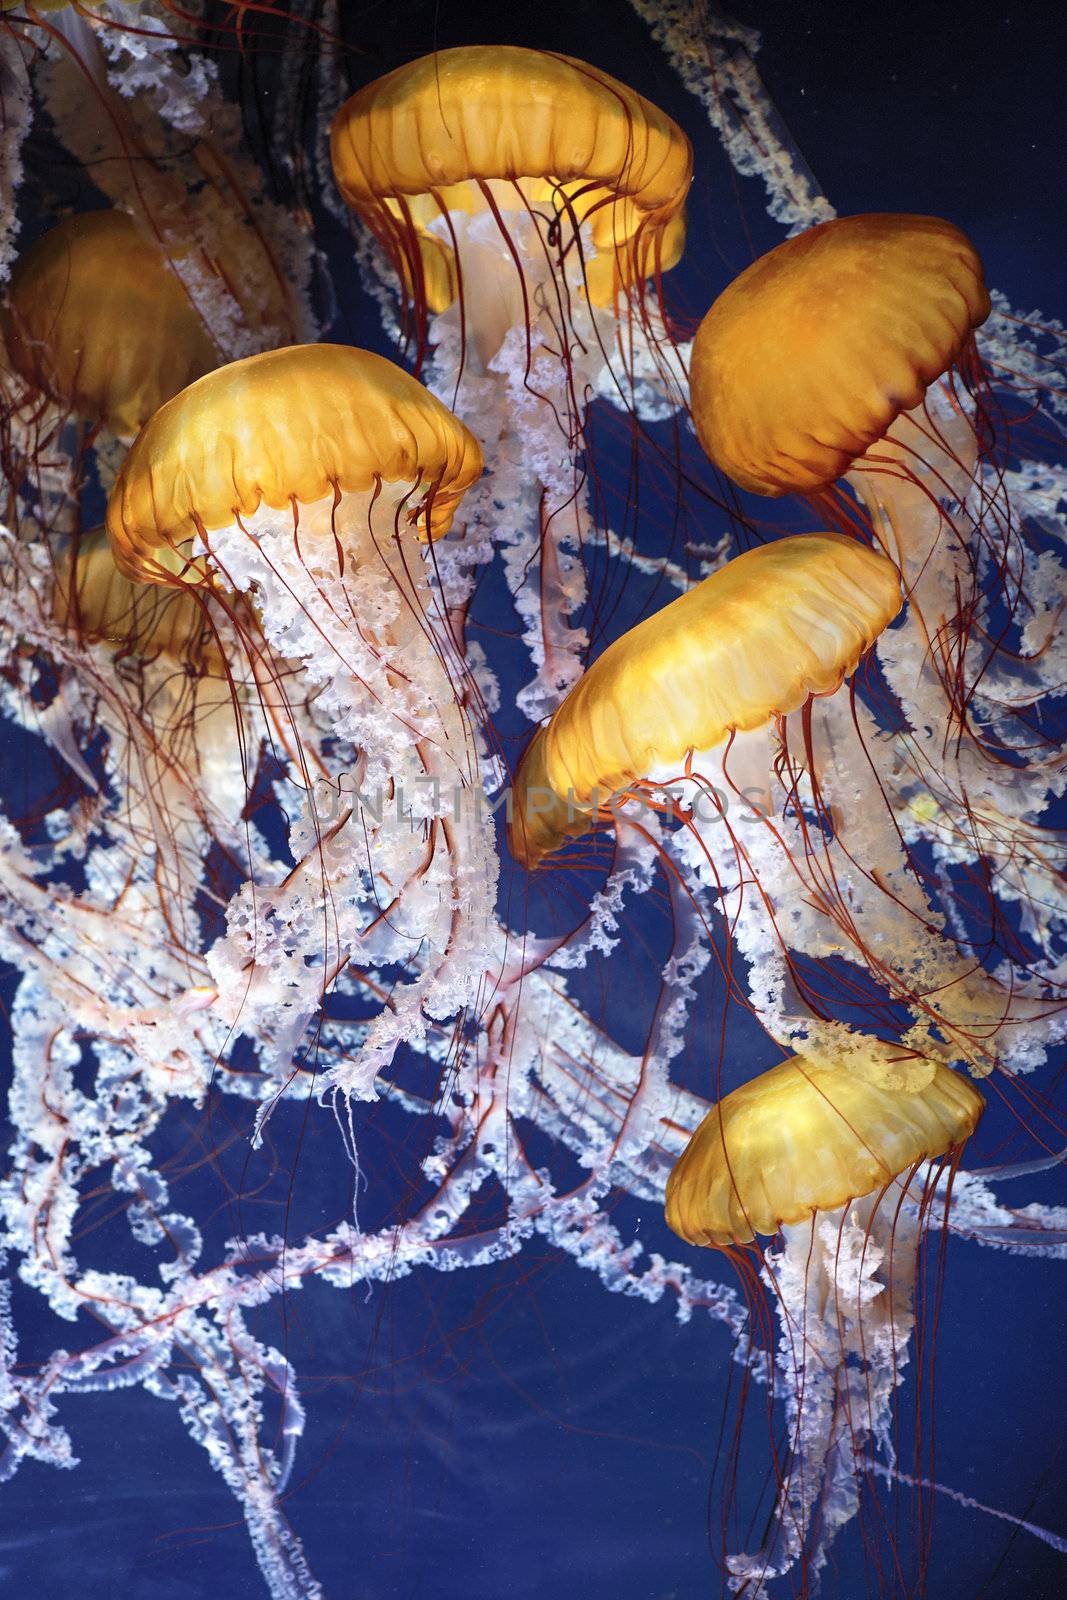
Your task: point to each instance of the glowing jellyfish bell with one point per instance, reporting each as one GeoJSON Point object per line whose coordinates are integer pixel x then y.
{"type": "Point", "coordinates": [525, 200]}
{"type": "Point", "coordinates": [450, 158]}
{"type": "Point", "coordinates": [750, 643]}
{"type": "Point", "coordinates": [818, 363]}
{"type": "Point", "coordinates": [835, 1164]}
{"type": "Point", "coordinates": [806, 1138]}
{"type": "Point", "coordinates": [97, 320]}
{"type": "Point", "coordinates": [301, 455]}
{"type": "Point", "coordinates": [312, 431]}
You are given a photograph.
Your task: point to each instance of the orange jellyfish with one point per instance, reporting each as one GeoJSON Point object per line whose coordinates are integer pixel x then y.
{"type": "Point", "coordinates": [97, 321]}
{"type": "Point", "coordinates": [749, 644]}
{"type": "Point", "coordinates": [314, 479]}
{"type": "Point", "coordinates": [308, 426]}
{"type": "Point", "coordinates": [524, 200]}
{"type": "Point", "coordinates": [806, 1138]}
{"type": "Point", "coordinates": [711, 712]}
{"type": "Point", "coordinates": [140, 107]}
{"type": "Point", "coordinates": [98, 602]}
{"type": "Point", "coordinates": [99, 329]}
{"type": "Point", "coordinates": [805, 362]}
{"type": "Point", "coordinates": [845, 1172]}
{"type": "Point", "coordinates": [506, 131]}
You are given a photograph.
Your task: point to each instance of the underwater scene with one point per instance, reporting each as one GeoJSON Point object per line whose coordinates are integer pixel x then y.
{"type": "Point", "coordinates": [532, 825]}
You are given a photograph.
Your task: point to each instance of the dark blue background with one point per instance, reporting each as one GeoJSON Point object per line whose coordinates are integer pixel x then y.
{"type": "Point", "coordinates": [520, 1432]}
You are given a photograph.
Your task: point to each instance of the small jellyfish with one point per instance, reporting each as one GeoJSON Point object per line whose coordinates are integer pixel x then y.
{"type": "Point", "coordinates": [98, 602]}
{"type": "Point", "coordinates": [97, 321]}
{"type": "Point", "coordinates": [99, 328]}
{"type": "Point", "coordinates": [838, 1167]}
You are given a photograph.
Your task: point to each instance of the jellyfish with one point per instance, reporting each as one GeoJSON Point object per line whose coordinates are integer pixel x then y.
{"type": "Point", "coordinates": [843, 1171]}
{"type": "Point", "coordinates": [97, 321]}
{"type": "Point", "coordinates": [120, 979]}
{"type": "Point", "coordinates": [686, 716]}
{"type": "Point", "coordinates": [524, 200]}
{"type": "Point", "coordinates": [750, 643]}
{"type": "Point", "coordinates": [846, 355]}
{"type": "Point", "coordinates": [313, 480]}
{"type": "Point", "coordinates": [97, 601]}
{"type": "Point", "coordinates": [97, 333]}
{"type": "Point", "coordinates": [783, 409]}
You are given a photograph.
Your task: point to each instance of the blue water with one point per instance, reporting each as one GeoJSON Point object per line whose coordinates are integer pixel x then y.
{"type": "Point", "coordinates": [520, 1432]}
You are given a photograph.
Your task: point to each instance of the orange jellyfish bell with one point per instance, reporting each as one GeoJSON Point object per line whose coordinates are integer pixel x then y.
{"type": "Point", "coordinates": [97, 321]}
{"type": "Point", "coordinates": [804, 1138]}
{"type": "Point", "coordinates": [95, 600]}
{"type": "Point", "coordinates": [753, 641]}
{"type": "Point", "coordinates": [449, 131]}
{"type": "Point", "coordinates": [812, 353]}
{"type": "Point", "coordinates": [289, 426]}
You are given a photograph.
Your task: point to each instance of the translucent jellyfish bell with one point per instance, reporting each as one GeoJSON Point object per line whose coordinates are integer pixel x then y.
{"type": "Point", "coordinates": [499, 128]}
{"type": "Point", "coordinates": [302, 426]}
{"type": "Point", "coordinates": [753, 641]}
{"type": "Point", "coordinates": [97, 321]}
{"type": "Point", "coordinates": [803, 1138]}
